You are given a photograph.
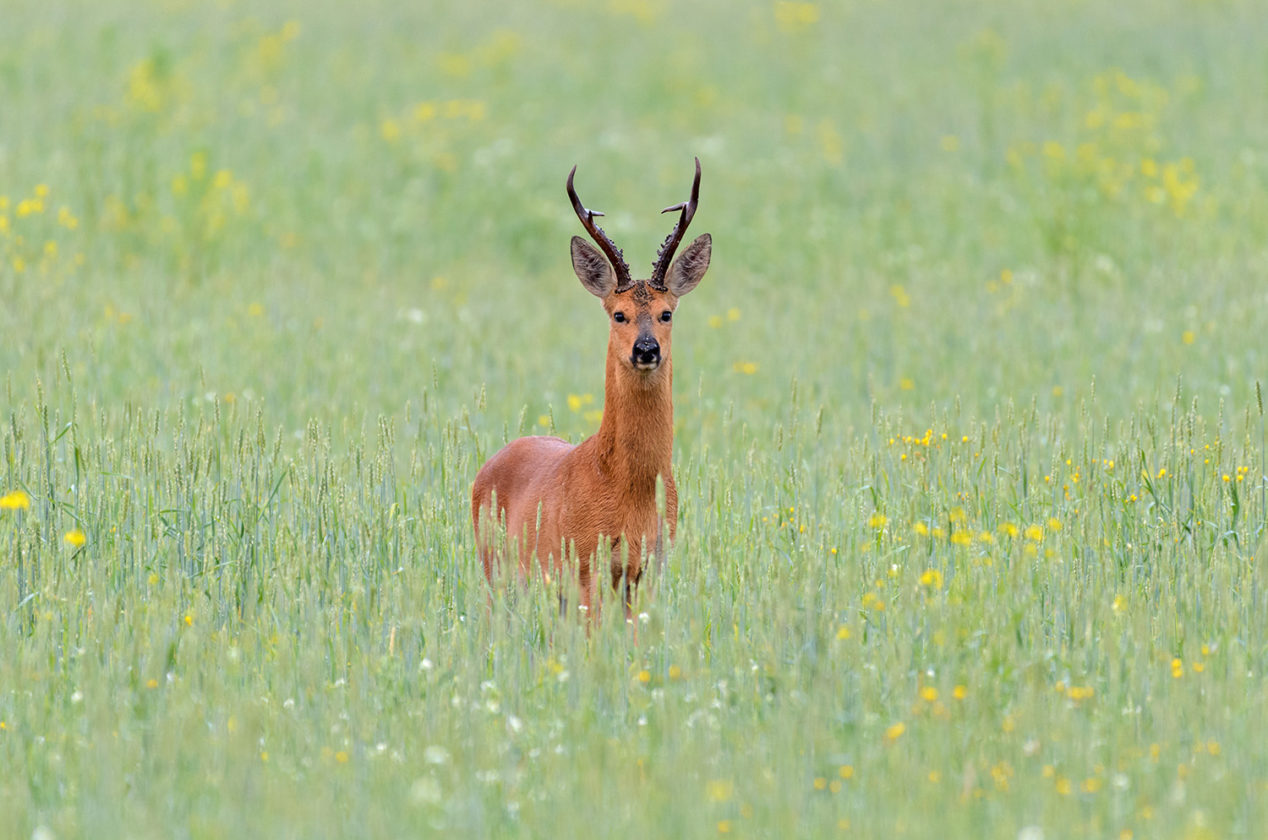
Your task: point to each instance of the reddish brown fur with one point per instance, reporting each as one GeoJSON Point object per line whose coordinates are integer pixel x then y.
{"type": "Point", "coordinates": [594, 504]}
{"type": "Point", "coordinates": [602, 487]}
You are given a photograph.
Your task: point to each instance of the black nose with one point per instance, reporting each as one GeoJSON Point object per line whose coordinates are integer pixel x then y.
{"type": "Point", "coordinates": [646, 351]}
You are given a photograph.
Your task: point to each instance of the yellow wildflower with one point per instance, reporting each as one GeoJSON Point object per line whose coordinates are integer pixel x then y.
{"type": "Point", "coordinates": [719, 790]}
{"type": "Point", "coordinates": [15, 500]}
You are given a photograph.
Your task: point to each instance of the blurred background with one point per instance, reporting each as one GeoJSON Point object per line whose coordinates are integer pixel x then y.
{"type": "Point", "coordinates": [328, 212]}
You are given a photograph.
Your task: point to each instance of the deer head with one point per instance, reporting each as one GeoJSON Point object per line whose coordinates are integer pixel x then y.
{"type": "Point", "coordinates": [640, 311]}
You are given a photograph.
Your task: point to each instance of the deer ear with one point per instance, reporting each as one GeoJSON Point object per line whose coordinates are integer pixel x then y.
{"type": "Point", "coordinates": [687, 271]}
{"type": "Point", "coordinates": [593, 269]}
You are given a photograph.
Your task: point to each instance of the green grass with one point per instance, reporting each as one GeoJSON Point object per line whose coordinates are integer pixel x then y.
{"type": "Point", "coordinates": [970, 444]}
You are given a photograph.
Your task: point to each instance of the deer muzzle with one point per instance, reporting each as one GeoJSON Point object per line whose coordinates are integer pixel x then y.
{"type": "Point", "coordinates": [646, 354]}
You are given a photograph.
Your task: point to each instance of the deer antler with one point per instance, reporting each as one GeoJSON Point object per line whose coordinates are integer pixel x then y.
{"type": "Point", "coordinates": [614, 255]}
{"type": "Point", "coordinates": [666, 253]}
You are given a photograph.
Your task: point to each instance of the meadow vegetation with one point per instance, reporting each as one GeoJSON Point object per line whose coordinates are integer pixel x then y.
{"type": "Point", "coordinates": [970, 432]}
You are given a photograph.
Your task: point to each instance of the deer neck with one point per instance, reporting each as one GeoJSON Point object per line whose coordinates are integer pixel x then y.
{"type": "Point", "coordinates": [636, 435]}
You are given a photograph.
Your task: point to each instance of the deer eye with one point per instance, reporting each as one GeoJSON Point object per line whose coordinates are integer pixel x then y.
{"type": "Point", "coordinates": [666, 316]}
{"type": "Point", "coordinates": [619, 317]}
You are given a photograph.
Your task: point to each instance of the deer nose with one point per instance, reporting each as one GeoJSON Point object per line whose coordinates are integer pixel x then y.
{"type": "Point", "coordinates": [646, 352]}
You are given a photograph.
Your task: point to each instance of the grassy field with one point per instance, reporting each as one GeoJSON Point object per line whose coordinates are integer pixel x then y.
{"type": "Point", "coordinates": [970, 439]}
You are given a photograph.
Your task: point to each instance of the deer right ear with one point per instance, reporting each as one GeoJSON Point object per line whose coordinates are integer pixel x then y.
{"type": "Point", "coordinates": [688, 270]}
{"type": "Point", "coordinates": [593, 269]}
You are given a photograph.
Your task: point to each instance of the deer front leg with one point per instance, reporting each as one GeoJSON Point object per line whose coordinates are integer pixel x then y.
{"type": "Point", "coordinates": [627, 568]}
{"type": "Point", "coordinates": [586, 580]}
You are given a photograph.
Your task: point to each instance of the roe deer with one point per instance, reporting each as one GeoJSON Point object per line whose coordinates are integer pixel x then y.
{"type": "Point", "coordinates": [594, 504]}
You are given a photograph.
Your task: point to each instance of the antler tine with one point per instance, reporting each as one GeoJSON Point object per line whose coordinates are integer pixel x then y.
{"type": "Point", "coordinates": [666, 253]}
{"type": "Point", "coordinates": [613, 253]}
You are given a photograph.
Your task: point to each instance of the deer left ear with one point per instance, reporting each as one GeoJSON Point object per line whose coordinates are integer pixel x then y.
{"type": "Point", "coordinates": [688, 270]}
{"type": "Point", "coordinates": [593, 269]}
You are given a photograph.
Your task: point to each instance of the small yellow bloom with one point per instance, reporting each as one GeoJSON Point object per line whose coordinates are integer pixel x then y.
{"type": "Point", "coordinates": [644, 676]}
{"type": "Point", "coordinates": [846, 771]}
{"type": "Point", "coordinates": [1177, 668]}
{"type": "Point", "coordinates": [928, 694]}
{"type": "Point", "coordinates": [877, 521]}
{"type": "Point", "coordinates": [674, 672]}
{"type": "Point", "coordinates": [931, 578]}
{"type": "Point", "coordinates": [749, 368]}
{"type": "Point", "coordinates": [820, 783]}
{"type": "Point", "coordinates": [15, 500]}
{"type": "Point", "coordinates": [1034, 533]}
{"type": "Point", "coordinates": [895, 732]}
{"type": "Point", "coordinates": [960, 692]}
{"type": "Point", "coordinates": [794, 17]}
{"type": "Point", "coordinates": [719, 790]}
{"type": "Point", "coordinates": [75, 538]}
{"type": "Point", "coordinates": [843, 632]}
{"type": "Point", "coordinates": [341, 757]}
